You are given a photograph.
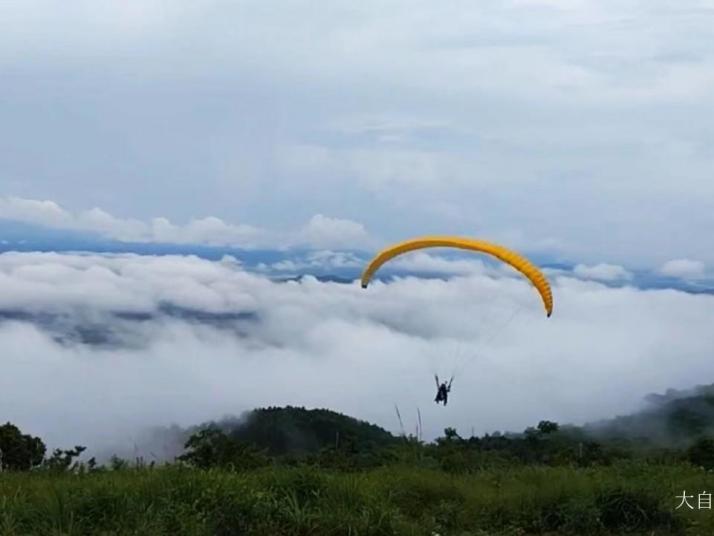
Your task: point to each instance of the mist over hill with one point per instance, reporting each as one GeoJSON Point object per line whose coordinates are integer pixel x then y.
{"type": "Point", "coordinates": [281, 431]}
{"type": "Point", "coordinates": [675, 419]}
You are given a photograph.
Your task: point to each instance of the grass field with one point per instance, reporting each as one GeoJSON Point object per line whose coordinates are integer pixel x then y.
{"type": "Point", "coordinates": [626, 498]}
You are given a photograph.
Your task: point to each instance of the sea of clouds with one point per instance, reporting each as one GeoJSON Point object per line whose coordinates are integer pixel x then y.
{"type": "Point", "coordinates": [93, 348]}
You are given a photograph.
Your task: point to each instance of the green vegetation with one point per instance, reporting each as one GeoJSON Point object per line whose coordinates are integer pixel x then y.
{"type": "Point", "coordinates": [18, 451]}
{"type": "Point", "coordinates": [623, 498]}
{"type": "Point", "coordinates": [311, 472]}
{"type": "Point", "coordinates": [297, 431]}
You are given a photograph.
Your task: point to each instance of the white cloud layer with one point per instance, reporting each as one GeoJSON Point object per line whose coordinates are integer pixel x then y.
{"type": "Point", "coordinates": [320, 232]}
{"type": "Point", "coordinates": [253, 342]}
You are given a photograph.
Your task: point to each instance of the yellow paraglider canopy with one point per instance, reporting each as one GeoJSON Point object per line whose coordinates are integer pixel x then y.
{"type": "Point", "coordinates": [517, 261]}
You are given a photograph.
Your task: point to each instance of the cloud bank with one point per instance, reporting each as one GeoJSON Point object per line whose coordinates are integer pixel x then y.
{"type": "Point", "coordinates": [320, 231]}
{"type": "Point", "coordinates": [186, 340]}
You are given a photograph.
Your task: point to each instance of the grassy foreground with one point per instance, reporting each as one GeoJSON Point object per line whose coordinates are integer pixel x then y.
{"type": "Point", "coordinates": [629, 497]}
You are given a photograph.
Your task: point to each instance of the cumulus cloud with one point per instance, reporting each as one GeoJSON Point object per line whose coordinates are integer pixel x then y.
{"type": "Point", "coordinates": [320, 231]}
{"type": "Point", "coordinates": [325, 232]}
{"type": "Point", "coordinates": [99, 221]}
{"type": "Point", "coordinates": [602, 272]}
{"type": "Point", "coordinates": [96, 346]}
{"type": "Point", "coordinates": [684, 269]}
{"type": "Point", "coordinates": [210, 230]}
{"type": "Point", "coordinates": [34, 211]}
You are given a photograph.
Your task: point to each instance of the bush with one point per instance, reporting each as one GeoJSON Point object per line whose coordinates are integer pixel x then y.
{"type": "Point", "coordinates": [701, 453]}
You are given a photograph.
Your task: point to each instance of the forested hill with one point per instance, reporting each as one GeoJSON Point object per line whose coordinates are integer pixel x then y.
{"type": "Point", "coordinates": [281, 430]}
{"type": "Point", "coordinates": [674, 419]}
{"type": "Point", "coordinates": [294, 430]}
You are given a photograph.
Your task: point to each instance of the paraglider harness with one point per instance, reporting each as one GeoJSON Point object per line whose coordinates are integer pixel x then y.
{"type": "Point", "coordinates": [442, 390]}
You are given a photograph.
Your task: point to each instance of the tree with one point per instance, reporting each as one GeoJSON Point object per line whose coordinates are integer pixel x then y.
{"type": "Point", "coordinates": [61, 460]}
{"type": "Point", "coordinates": [212, 448]}
{"type": "Point", "coordinates": [701, 453]}
{"type": "Point", "coordinates": [451, 434]}
{"type": "Point", "coordinates": [18, 451]}
{"type": "Point", "coordinates": [547, 427]}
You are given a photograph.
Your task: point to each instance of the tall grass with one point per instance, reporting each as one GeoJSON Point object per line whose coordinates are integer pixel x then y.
{"type": "Point", "coordinates": [626, 498]}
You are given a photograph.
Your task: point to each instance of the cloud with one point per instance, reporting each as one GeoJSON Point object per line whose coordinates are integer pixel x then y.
{"type": "Point", "coordinates": [683, 269]}
{"type": "Point", "coordinates": [98, 221]}
{"type": "Point", "coordinates": [321, 260]}
{"type": "Point", "coordinates": [33, 211]}
{"type": "Point", "coordinates": [320, 231]}
{"type": "Point", "coordinates": [325, 232]}
{"type": "Point", "coordinates": [602, 272]}
{"type": "Point", "coordinates": [96, 346]}
{"type": "Point", "coordinates": [210, 230]}
{"type": "Point", "coordinates": [420, 262]}
{"type": "Point", "coordinates": [583, 123]}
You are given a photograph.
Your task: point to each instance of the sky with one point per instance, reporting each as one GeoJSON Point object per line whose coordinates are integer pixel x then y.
{"type": "Point", "coordinates": [577, 131]}
{"type": "Point", "coordinates": [581, 128]}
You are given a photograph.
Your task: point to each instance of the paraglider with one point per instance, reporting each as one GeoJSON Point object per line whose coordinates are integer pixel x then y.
{"type": "Point", "coordinates": [442, 390]}
{"type": "Point", "coordinates": [515, 260]}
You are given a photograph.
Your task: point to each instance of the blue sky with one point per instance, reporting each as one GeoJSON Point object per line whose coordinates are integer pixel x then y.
{"type": "Point", "coordinates": [582, 129]}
